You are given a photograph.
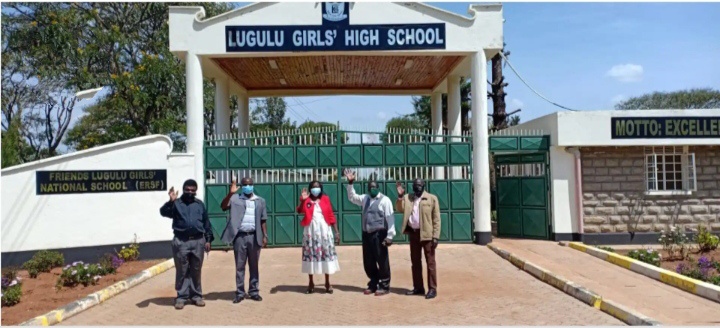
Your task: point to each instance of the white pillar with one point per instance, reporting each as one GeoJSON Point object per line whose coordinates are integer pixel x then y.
{"type": "Point", "coordinates": [243, 114]}
{"type": "Point", "coordinates": [453, 120]}
{"type": "Point", "coordinates": [222, 107]}
{"type": "Point", "coordinates": [480, 155]}
{"type": "Point", "coordinates": [436, 120]}
{"type": "Point", "coordinates": [195, 126]}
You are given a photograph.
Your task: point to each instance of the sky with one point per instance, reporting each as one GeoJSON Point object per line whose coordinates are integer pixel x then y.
{"type": "Point", "coordinates": [585, 56]}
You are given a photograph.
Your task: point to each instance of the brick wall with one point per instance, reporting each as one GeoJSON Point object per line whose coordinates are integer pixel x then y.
{"type": "Point", "coordinates": [614, 187]}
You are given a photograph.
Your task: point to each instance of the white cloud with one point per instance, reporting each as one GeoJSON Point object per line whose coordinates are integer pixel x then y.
{"type": "Point", "coordinates": [619, 99]}
{"type": "Point", "coordinates": [381, 115]}
{"type": "Point", "coordinates": [516, 103]}
{"type": "Point", "coordinates": [626, 72]}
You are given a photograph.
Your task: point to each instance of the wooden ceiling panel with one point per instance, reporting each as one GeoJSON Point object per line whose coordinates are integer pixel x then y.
{"type": "Point", "coordinates": [339, 72]}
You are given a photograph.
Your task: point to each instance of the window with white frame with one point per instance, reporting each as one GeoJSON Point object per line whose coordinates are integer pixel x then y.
{"type": "Point", "coordinates": [670, 168]}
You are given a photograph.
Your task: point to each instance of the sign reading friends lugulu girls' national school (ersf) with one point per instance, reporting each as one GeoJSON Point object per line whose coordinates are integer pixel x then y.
{"type": "Point", "coordinates": [335, 34]}
{"type": "Point", "coordinates": [81, 182]}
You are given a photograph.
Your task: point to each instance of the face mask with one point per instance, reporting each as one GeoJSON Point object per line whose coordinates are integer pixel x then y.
{"type": "Point", "coordinates": [188, 196]}
{"type": "Point", "coordinates": [315, 191]}
{"type": "Point", "coordinates": [418, 189]}
{"type": "Point", "coordinates": [247, 190]}
{"type": "Point", "coordinates": [374, 192]}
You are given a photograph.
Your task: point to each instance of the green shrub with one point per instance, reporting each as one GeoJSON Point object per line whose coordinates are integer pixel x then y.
{"type": "Point", "coordinates": [10, 273]}
{"type": "Point", "coordinates": [43, 261]}
{"type": "Point", "coordinates": [80, 273]}
{"type": "Point", "coordinates": [674, 242]}
{"type": "Point", "coordinates": [646, 255]}
{"type": "Point", "coordinates": [109, 263]}
{"type": "Point", "coordinates": [11, 295]}
{"type": "Point", "coordinates": [130, 253]}
{"type": "Point", "coordinates": [607, 249]}
{"type": "Point", "coordinates": [715, 280]}
{"type": "Point", "coordinates": [706, 241]}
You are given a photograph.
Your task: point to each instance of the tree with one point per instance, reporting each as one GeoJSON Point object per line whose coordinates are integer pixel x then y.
{"type": "Point", "coordinates": [320, 138]}
{"type": "Point", "coordinates": [683, 99]}
{"type": "Point", "coordinates": [269, 115]}
{"type": "Point", "coordinates": [122, 46]}
{"type": "Point", "coordinates": [423, 110]}
{"type": "Point", "coordinates": [403, 123]}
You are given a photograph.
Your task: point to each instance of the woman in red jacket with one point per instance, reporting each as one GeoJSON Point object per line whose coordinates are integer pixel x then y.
{"type": "Point", "coordinates": [318, 247]}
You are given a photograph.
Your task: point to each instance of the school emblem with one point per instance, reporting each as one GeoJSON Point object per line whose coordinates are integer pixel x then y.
{"type": "Point", "coordinates": [309, 205]}
{"type": "Point", "coordinates": [335, 11]}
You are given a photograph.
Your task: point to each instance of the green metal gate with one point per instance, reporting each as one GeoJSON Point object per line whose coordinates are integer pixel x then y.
{"type": "Point", "coordinates": [282, 163]}
{"type": "Point", "coordinates": [522, 187]}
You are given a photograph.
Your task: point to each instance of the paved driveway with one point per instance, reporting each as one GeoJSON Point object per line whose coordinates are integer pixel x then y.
{"type": "Point", "coordinates": [475, 287]}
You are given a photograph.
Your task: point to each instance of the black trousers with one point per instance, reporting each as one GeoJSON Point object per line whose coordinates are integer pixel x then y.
{"type": "Point", "coordinates": [376, 260]}
{"type": "Point", "coordinates": [188, 255]}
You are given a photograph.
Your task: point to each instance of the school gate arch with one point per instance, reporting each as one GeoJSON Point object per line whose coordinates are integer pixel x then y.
{"type": "Point", "coordinates": [304, 49]}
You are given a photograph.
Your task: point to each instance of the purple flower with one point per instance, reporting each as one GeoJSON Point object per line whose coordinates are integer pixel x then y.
{"type": "Point", "coordinates": [680, 268]}
{"type": "Point", "coordinates": [704, 263]}
{"type": "Point", "coordinates": [117, 262]}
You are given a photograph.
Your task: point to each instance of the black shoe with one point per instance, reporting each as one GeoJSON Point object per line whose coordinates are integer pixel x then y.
{"type": "Point", "coordinates": [256, 298]}
{"type": "Point", "coordinates": [238, 299]}
{"type": "Point", "coordinates": [431, 294]}
{"type": "Point", "coordinates": [381, 292]}
{"type": "Point", "coordinates": [416, 292]}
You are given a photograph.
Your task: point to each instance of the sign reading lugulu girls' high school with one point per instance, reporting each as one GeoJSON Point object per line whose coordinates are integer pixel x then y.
{"type": "Point", "coordinates": [335, 34]}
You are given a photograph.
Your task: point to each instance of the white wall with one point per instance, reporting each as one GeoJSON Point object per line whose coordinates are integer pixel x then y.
{"type": "Point", "coordinates": [33, 222]}
{"type": "Point", "coordinates": [190, 30]}
{"type": "Point", "coordinates": [596, 127]}
{"type": "Point", "coordinates": [591, 128]}
{"type": "Point", "coordinates": [562, 187]}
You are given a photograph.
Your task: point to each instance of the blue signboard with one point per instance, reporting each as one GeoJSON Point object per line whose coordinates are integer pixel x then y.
{"type": "Point", "coordinates": [335, 34]}
{"type": "Point", "coordinates": [685, 127]}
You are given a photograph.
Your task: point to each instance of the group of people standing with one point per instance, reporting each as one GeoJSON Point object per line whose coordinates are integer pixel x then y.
{"type": "Point", "coordinates": [246, 231]}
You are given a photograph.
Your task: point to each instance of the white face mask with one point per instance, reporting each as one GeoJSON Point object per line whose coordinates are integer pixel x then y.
{"type": "Point", "coordinates": [315, 191]}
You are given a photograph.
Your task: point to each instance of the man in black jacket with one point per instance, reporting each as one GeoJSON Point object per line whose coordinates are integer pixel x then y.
{"type": "Point", "coordinates": [193, 236]}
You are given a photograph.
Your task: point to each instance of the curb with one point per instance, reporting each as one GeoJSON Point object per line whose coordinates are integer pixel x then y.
{"type": "Point", "coordinates": [73, 308]}
{"type": "Point", "coordinates": [579, 292]}
{"type": "Point", "coordinates": [694, 286]}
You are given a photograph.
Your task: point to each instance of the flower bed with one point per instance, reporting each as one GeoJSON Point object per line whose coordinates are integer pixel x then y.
{"type": "Point", "coordinates": [45, 285]}
{"type": "Point", "coordinates": [699, 261]}
{"type": "Point", "coordinates": [41, 295]}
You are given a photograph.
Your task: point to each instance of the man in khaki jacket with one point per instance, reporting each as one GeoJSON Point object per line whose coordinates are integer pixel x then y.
{"type": "Point", "coordinates": [421, 221]}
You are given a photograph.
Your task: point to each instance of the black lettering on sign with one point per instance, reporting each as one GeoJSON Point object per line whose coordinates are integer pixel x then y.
{"type": "Point", "coordinates": [101, 181]}
{"type": "Point", "coordinates": [665, 127]}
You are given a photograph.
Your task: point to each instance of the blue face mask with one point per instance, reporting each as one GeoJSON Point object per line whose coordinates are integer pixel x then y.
{"type": "Point", "coordinates": [315, 191]}
{"type": "Point", "coordinates": [247, 190]}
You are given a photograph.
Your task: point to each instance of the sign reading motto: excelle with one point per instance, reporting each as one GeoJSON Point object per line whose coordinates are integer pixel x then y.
{"type": "Point", "coordinates": [665, 127]}
{"type": "Point", "coordinates": [335, 34]}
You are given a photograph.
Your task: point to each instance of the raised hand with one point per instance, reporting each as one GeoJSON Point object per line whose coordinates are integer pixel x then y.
{"type": "Point", "coordinates": [304, 194]}
{"type": "Point", "coordinates": [173, 194]}
{"type": "Point", "coordinates": [349, 175]}
{"type": "Point", "coordinates": [400, 189]}
{"type": "Point", "coordinates": [233, 186]}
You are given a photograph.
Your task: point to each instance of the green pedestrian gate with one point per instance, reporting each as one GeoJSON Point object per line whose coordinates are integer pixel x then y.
{"type": "Point", "coordinates": [522, 191]}
{"type": "Point", "coordinates": [282, 163]}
